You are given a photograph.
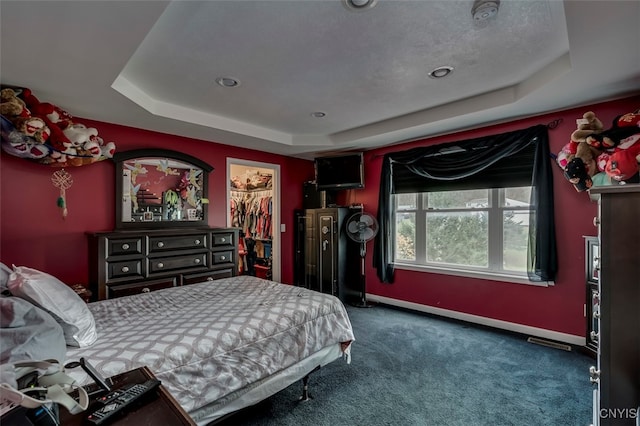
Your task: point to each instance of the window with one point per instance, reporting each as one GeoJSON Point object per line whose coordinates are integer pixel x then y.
{"type": "Point", "coordinates": [481, 230]}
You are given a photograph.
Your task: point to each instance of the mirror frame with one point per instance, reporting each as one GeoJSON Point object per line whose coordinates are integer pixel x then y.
{"type": "Point", "coordinates": [120, 158]}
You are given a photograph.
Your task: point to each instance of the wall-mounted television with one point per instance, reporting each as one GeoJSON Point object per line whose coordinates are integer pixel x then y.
{"type": "Point", "coordinates": [344, 171]}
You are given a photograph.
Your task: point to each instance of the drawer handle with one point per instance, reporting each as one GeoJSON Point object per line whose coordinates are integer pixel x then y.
{"type": "Point", "coordinates": [160, 265]}
{"type": "Point", "coordinates": [196, 260]}
{"type": "Point", "coordinates": [125, 269]}
{"type": "Point", "coordinates": [197, 242]}
{"type": "Point", "coordinates": [223, 258]}
{"type": "Point", "coordinates": [223, 239]}
{"type": "Point", "coordinates": [125, 246]}
{"type": "Point", "coordinates": [160, 244]}
{"type": "Point", "coordinates": [594, 375]}
{"type": "Point", "coordinates": [209, 278]}
{"type": "Point", "coordinates": [146, 290]}
{"type": "Point", "coordinates": [594, 335]}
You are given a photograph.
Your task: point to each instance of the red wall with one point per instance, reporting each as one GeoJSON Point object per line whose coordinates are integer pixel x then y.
{"type": "Point", "coordinates": [558, 308]}
{"type": "Point", "coordinates": [33, 233]}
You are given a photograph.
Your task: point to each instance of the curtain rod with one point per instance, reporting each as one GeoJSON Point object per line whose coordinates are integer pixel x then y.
{"type": "Point", "coordinates": [550, 125]}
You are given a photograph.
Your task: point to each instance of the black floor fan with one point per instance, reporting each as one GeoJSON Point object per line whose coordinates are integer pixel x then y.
{"type": "Point", "coordinates": [362, 227]}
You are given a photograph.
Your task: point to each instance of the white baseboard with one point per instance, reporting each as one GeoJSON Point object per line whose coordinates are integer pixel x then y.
{"type": "Point", "coordinates": [505, 325]}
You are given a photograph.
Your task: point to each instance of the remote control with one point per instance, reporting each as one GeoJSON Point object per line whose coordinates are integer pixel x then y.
{"type": "Point", "coordinates": [118, 401]}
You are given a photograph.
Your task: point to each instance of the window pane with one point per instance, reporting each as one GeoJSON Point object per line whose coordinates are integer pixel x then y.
{"type": "Point", "coordinates": [405, 236]}
{"type": "Point", "coordinates": [406, 201]}
{"type": "Point", "coordinates": [458, 199]}
{"type": "Point", "coordinates": [458, 238]}
{"type": "Point", "coordinates": [515, 236]}
{"type": "Point", "coordinates": [517, 197]}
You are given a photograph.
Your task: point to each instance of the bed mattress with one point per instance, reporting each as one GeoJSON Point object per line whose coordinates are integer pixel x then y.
{"type": "Point", "coordinates": [207, 342]}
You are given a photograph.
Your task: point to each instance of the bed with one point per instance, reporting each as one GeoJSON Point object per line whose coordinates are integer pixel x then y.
{"type": "Point", "coordinates": [219, 346]}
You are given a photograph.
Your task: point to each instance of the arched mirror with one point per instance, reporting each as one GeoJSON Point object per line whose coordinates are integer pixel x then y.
{"type": "Point", "coordinates": [157, 188]}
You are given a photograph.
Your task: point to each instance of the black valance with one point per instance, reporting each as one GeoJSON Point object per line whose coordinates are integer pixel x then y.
{"type": "Point", "coordinates": [518, 158]}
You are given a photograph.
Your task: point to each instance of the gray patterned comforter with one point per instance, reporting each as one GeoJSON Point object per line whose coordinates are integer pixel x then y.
{"type": "Point", "coordinates": [207, 340]}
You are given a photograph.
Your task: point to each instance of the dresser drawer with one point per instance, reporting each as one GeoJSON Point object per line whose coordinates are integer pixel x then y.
{"type": "Point", "coordinates": [138, 288]}
{"type": "Point", "coordinates": [180, 242]}
{"type": "Point", "coordinates": [221, 257]}
{"type": "Point", "coordinates": [125, 269]}
{"type": "Point", "coordinates": [209, 276]}
{"type": "Point", "coordinates": [161, 264]}
{"type": "Point", "coordinates": [123, 246]}
{"type": "Point", "coordinates": [222, 239]}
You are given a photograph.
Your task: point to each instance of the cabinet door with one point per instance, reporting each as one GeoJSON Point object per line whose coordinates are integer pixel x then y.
{"type": "Point", "coordinates": [328, 253]}
{"type": "Point", "coordinates": [311, 245]}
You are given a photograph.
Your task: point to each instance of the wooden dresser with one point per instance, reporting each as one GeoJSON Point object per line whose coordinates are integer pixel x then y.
{"type": "Point", "coordinates": [617, 375]}
{"type": "Point", "coordinates": [128, 262]}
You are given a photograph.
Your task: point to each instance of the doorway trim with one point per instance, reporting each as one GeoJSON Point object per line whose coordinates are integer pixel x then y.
{"type": "Point", "coordinates": [276, 257]}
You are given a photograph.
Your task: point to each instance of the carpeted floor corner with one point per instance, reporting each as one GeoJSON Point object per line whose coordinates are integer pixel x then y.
{"type": "Point", "coordinates": [415, 369]}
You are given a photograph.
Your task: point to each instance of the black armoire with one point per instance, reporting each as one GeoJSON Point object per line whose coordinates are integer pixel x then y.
{"type": "Point", "coordinates": [325, 259]}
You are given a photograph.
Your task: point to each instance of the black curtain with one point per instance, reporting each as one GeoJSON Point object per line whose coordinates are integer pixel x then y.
{"type": "Point", "coordinates": [518, 158]}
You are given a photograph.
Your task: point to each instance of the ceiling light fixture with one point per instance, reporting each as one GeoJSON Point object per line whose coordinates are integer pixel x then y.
{"type": "Point", "coordinates": [228, 82]}
{"type": "Point", "coordinates": [483, 10]}
{"type": "Point", "coordinates": [441, 72]}
{"type": "Point", "coordinates": [318, 114]}
{"type": "Point", "coordinates": [359, 5]}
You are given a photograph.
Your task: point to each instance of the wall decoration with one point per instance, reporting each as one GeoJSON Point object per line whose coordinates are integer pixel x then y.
{"type": "Point", "coordinates": [62, 179]}
{"type": "Point", "coordinates": [45, 133]}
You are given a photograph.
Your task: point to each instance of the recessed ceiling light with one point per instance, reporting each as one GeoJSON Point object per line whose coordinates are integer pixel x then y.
{"type": "Point", "coordinates": [440, 72]}
{"type": "Point", "coordinates": [318, 114]}
{"type": "Point", "coordinates": [228, 82]}
{"type": "Point", "coordinates": [359, 5]}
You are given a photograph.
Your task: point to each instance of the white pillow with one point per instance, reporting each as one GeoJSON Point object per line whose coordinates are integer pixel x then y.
{"type": "Point", "coordinates": [59, 300]}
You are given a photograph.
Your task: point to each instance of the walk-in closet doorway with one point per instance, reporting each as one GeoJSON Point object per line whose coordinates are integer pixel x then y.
{"type": "Point", "coordinates": [253, 205]}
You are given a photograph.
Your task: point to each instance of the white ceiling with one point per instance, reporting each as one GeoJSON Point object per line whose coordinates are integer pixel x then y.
{"type": "Point", "coordinates": [153, 65]}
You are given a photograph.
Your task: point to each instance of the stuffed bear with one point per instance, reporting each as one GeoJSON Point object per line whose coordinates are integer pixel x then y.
{"type": "Point", "coordinates": [11, 106]}
{"type": "Point", "coordinates": [57, 139]}
{"type": "Point", "coordinates": [588, 126]}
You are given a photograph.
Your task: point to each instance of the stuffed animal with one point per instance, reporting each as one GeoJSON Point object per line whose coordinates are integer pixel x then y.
{"type": "Point", "coordinates": [623, 165]}
{"type": "Point", "coordinates": [576, 173]}
{"type": "Point", "coordinates": [57, 139]}
{"type": "Point", "coordinates": [19, 144]}
{"type": "Point", "coordinates": [11, 106]}
{"type": "Point", "coordinates": [624, 126]}
{"type": "Point", "coordinates": [33, 127]}
{"type": "Point", "coordinates": [588, 126]}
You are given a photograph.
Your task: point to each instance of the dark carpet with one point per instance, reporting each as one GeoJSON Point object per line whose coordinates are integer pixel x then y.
{"type": "Point", "coordinates": [415, 369]}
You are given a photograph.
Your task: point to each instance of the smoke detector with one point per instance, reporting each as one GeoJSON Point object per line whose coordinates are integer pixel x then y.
{"type": "Point", "coordinates": [483, 10]}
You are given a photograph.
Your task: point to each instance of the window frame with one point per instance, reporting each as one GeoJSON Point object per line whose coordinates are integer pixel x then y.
{"type": "Point", "coordinates": [494, 271]}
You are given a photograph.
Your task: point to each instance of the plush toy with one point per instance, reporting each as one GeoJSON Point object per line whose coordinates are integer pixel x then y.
{"type": "Point", "coordinates": [576, 173]}
{"type": "Point", "coordinates": [57, 139]}
{"type": "Point", "coordinates": [83, 139]}
{"type": "Point", "coordinates": [623, 165]}
{"type": "Point", "coordinates": [33, 127]}
{"type": "Point", "coordinates": [587, 126]}
{"type": "Point", "coordinates": [16, 142]}
{"type": "Point", "coordinates": [11, 106]}
{"type": "Point", "coordinates": [624, 126]}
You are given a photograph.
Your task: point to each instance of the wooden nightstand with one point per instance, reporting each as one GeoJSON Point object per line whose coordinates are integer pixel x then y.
{"type": "Point", "coordinates": [162, 410]}
{"type": "Point", "coordinates": [82, 291]}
